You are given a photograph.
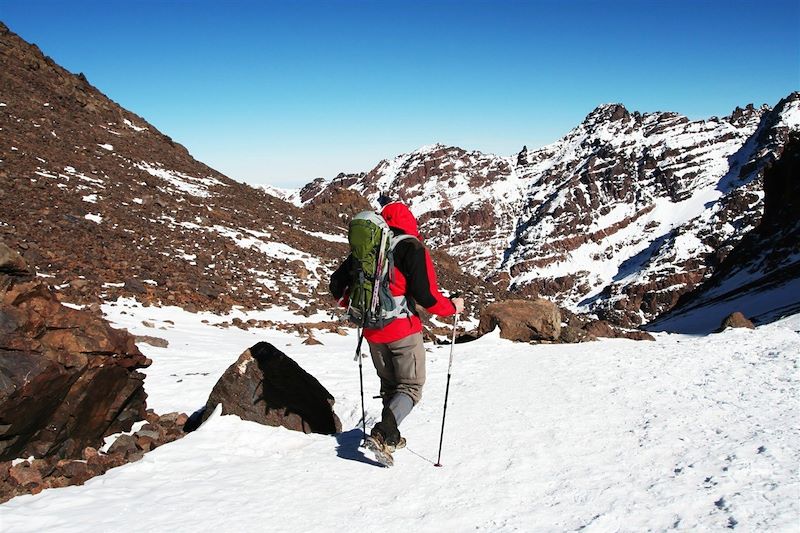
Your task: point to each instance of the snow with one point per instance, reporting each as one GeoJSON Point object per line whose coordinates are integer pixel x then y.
{"type": "Point", "coordinates": [327, 236]}
{"type": "Point", "coordinates": [287, 195]}
{"type": "Point", "coordinates": [764, 304]}
{"type": "Point", "coordinates": [91, 198]}
{"type": "Point", "coordinates": [106, 147]}
{"type": "Point", "coordinates": [180, 181]}
{"type": "Point", "coordinates": [790, 117]}
{"type": "Point", "coordinates": [697, 433]}
{"type": "Point", "coordinates": [94, 217]}
{"type": "Point", "coordinates": [133, 126]}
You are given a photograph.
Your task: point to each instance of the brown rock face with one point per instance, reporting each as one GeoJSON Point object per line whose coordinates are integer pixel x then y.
{"type": "Point", "coordinates": [161, 227]}
{"type": "Point", "coordinates": [67, 378]}
{"type": "Point", "coordinates": [264, 385]}
{"type": "Point", "coordinates": [522, 320]}
{"type": "Point", "coordinates": [594, 200]}
{"type": "Point", "coordinates": [31, 477]}
{"type": "Point", "coordinates": [735, 320]}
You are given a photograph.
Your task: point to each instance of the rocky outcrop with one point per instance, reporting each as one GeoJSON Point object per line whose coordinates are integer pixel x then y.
{"type": "Point", "coordinates": [67, 378]}
{"type": "Point", "coordinates": [31, 476]}
{"type": "Point", "coordinates": [735, 320]}
{"type": "Point", "coordinates": [264, 385]}
{"type": "Point", "coordinates": [760, 276]}
{"type": "Point", "coordinates": [522, 320]}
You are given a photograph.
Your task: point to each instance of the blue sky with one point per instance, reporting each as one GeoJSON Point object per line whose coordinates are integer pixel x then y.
{"type": "Point", "coordinates": [283, 92]}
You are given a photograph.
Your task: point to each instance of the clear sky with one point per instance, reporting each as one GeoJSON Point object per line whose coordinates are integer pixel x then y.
{"type": "Point", "coordinates": [283, 92]}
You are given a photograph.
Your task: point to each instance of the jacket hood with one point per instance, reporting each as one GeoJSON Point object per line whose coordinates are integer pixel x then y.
{"type": "Point", "coordinates": [397, 215]}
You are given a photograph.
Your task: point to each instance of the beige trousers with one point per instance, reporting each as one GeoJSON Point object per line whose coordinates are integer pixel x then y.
{"type": "Point", "coordinates": [401, 366]}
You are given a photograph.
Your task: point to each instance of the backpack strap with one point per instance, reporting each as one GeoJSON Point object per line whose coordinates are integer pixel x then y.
{"type": "Point", "coordinates": [395, 241]}
{"type": "Point", "coordinates": [398, 239]}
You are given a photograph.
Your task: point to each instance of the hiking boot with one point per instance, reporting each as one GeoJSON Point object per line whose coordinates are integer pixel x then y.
{"type": "Point", "coordinates": [388, 428]}
{"type": "Point", "coordinates": [377, 445]}
{"type": "Point", "coordinates": [378, 437]}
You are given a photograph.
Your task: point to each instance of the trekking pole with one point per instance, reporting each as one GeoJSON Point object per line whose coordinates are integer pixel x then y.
{"type": "Point", "coordinates": [361, 381]}
{"type": "Point", "coordinates": [447, 390]}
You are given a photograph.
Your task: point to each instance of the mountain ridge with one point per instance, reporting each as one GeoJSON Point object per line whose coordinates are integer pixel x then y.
{"type": "Point", "coordinates": [535, 222]}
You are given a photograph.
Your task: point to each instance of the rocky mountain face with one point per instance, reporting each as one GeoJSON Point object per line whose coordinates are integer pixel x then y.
{"type": "Point", "coordinates": [761, 275]}
{"type": "Point", "coordinates": [104, 205]}
{"type": "Point", "coordinates": [620, 217]}
{"type": "Point", "coordinates": [67, 379]}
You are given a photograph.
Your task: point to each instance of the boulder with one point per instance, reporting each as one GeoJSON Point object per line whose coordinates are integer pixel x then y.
{"type": "Point", "coordinates": [158, 342]}
{"type": "Point", "coordinates": [735, 320]}
{"type": "Point", "coordinates": [266, 386]}
{"type": "Point", "coordinates": [522, 320]}
{"type": "Point", "coordinates": [572, 334]}
{"type": "Point", "coordinates": [67, 378]}
{"type": "Point", "coordinates": [12, 262]}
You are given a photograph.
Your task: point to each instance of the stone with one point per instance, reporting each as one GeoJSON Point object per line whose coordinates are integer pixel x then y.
{"type": "Point", "coordinates": [124, 445]}
{"type": "Point", "coordinates": [572, 334]}
{"type": "Point", "coordinates": [522, 320]}
{"type": "Point", "coordinates": [135, 286]}
{"type": "Point", "coordinates": [158, 342]}
{"type": "Point", "coordinates": [24, 475]}
{"type": "Point", "coordinates": [90, 453]}
{"type": "Point", "coordinates": [735, 320]}
{"type": "Point", "coordinates": [12, 262]}
{"type": "Point", "coordinates": [67, 378]}
{"type": "Point", "coordinates": [265, 385]}
{"type": "Point", "coordinates": [78, 472]}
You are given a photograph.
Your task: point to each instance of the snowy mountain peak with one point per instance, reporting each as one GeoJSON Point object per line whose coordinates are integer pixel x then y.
{"type": "Point", "coordinates": [607, 112]}
{"type": "Point", "coordinates": [621, 216]}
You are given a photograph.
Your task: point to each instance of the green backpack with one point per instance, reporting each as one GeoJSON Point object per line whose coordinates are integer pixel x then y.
{"type": "Point", "coordinates": [372, 249]}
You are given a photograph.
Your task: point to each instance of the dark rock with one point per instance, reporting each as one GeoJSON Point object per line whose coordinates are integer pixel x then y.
{"type": "Point", "coordinates": [25, 476]}
{"type": "Point", "coordinates": [67, 378]}
{"type": "Point", "coordinates": [266, 386]}
{"type": "Point", "coordinates": [11, 262]}
{"type": "Point", "coordinates": [572, 334]}
{"type": "Point", "coordinates": [125, 445]}
{"type": "Point", "coordinates": [135, 286]}
{"type": "Point", "coordinates": [522, 320]}
{"type": "Point", "coordinates": [78, 472]}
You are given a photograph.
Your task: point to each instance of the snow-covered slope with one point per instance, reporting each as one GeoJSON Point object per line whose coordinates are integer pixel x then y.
{"type": "Point", "coordinates": [685, 432]}
{"type": "Point", "coordinates": [287, 195]}
{"type": "Point", "coordinates": [761, 275]}
{"type": "Point", "coordinates": [621, 216]}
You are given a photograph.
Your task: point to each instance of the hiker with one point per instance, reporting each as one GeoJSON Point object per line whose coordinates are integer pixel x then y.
{"type": "Point", "coordinates": [397, 348]}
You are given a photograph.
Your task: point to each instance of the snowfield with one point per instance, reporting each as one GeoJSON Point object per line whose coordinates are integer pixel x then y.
{"type": "Point", "coordinates": [692, 433]}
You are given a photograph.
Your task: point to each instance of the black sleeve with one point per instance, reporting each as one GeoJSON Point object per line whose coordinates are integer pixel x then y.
{"type": "Point", "coordinates": [340, 280]}
{"type": "Point", "coordinates": [411, 261]}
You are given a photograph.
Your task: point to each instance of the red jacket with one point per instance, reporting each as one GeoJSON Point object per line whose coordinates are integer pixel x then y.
{"type": "Point", "coordinates": [414, 277]}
